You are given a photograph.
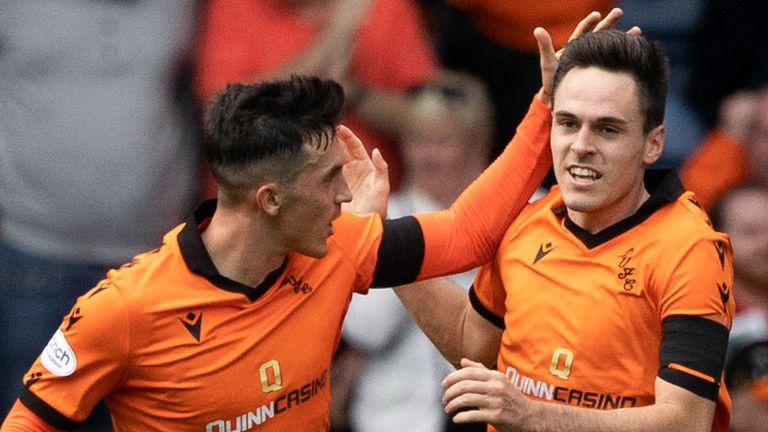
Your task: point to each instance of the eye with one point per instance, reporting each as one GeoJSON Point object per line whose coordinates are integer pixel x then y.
{"type": "Point", "coordinates": [608, 130]}
{"type": "Point", "coordinates": [567, 123]}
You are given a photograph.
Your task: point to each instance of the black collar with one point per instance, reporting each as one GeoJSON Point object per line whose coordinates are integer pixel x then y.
{"type": "Point", "coordinates": [664, 186]}
{"type": "Point", "coordinates": [198, 260]}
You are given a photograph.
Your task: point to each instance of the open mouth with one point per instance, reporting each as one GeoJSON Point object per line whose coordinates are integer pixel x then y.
{"type": "Point", "coordinates": [584, 174]}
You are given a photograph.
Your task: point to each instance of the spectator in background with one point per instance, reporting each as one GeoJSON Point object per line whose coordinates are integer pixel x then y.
{"type": "Point", "coordinates": [378, 49]}
{"type": "Point", "coordinates": [746, 375]}
{"type": "Point", "coordinates": [445, 145]}
{"type": "Point", "coordinates": [741, 212]}
{"type": "Point", "coordinates": [674, 23]}
{"type": "Point", "coordinates": [98, 156]}
{"type": "Point", "coordinates": [729, 54]}
{"type": "Point", "coordinates": [734, 152]}
{"type": "Point", "coordinates": [492, 39]}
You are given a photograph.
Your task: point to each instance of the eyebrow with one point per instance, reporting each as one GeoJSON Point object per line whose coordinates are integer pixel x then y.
{"type": "Point", "coordinates": [333, 171]}
{"type": "Point", "coordinates": [600, 120]}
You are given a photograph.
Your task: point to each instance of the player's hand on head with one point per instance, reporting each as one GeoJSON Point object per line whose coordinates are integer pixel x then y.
{"type": "Point", "coordinates": [475, 393]}
{"type": "Point", "coordinates": [367, 176]}
{"type": "Point", "coordinates": [549, 57]}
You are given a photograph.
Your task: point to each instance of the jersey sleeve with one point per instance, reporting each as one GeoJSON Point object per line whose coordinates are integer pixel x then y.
{"type": "Point", "coordinates": [21, 419]}
{"type": "Point", "coordinates": [83, 362]}
{"type": "Point", "coordinates": [467, 234]}
{"type": "Point", "coordinates": [697, 309]}
{"type": "Point", "coordinates": [359, 237]}
{"type": "Point", "coordinates": [487, 295]}
{"type": "Point", "coordinates": [701, 281]}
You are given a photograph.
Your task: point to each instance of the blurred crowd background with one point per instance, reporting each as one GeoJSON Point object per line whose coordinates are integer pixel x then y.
{"type": "Point", "coordinates": [100, 106]}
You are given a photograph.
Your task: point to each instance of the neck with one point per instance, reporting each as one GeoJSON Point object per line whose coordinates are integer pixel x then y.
{"type": "Point", "coordinates": [242, 247]}
{"type": "Point", "coordinates": [596, 221]}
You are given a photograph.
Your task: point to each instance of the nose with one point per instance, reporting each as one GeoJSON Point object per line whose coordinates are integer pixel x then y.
{"type": "Point", "coordinates": [583, 142]}
{"type": "Point", "coordinates": [344, 195]}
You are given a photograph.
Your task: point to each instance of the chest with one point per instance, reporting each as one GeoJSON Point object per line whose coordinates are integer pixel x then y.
{"type": "Point", "coordinates": [222, 361]}
{"type": "Point", "coordinates": [565, 295]}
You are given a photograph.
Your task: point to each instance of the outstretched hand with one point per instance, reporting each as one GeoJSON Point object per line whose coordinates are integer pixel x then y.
{"type": "Point", "coordinates": [367, 176]}
{"type": "Point", "coordinates": [549, 58]}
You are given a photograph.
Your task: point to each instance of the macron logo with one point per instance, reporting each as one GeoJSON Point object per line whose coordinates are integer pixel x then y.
{"type": "Point", "coordinates": [58, 356]}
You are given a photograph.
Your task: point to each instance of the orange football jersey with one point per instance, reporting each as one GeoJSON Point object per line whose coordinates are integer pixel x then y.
{"type": "Point", "coordinates": [583, 314]}
{"type": "Point", "coordinates": [174, 346]}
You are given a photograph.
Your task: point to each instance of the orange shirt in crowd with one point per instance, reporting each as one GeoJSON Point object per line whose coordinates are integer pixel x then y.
{"type": "Point", "coordinates": [719, 164]}
{"type": "Point", "coordinates": [512, 22]}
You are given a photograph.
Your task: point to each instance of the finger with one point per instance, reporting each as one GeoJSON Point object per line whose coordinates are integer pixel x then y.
{"type": "Point", "coordinates": [635, 31]}
{"type": "Point", "coordinates": [544, 41]}
{"type": "Point", "coordinates": [352, 143]}
{"type": "Point", "coordinates": [465, 402]}
{"type": "Point", "coordinates": [468, 373]}
{"type": "Point", "coordinates": [585, 25]}
{"type": "Point", "coordinates": [473, 416]}
{"type": "Point", "coordinates": [610, 20]}
{"type": "Point", "coordinates": [378, 161]}
{"type": "Point", "coordinates": [465, 362]}
{"type": "Point", "coordinates": [465, 387]}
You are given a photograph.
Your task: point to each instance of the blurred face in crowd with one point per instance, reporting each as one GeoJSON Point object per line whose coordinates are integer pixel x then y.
{"type": "Point", "coordinates": [745, 219]}
{"type": "Point", "coordinates": [757, 147]}
{"type": "Point", "coordinates": [434, 151]}
{"type": "Point", "coordinates": [599, 148]}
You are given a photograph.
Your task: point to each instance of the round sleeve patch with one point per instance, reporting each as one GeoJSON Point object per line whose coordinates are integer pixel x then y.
{"type": "Point", "coordinates": [58, 356]}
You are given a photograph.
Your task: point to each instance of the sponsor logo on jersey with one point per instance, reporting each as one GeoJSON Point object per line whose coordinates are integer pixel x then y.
{"type": "Point", "coordinates": [289, 400]}
{"type": "Point", "coordinates": [570, 396]}
{"type": "Point", "coordinates": [544, 250]}
{"type": "Point", "coordinates": [58, 356]}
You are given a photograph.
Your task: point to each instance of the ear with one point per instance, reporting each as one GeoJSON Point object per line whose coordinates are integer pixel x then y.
{"type": "Point", "coordinates": [654, 145]}
{"type": "Point", "coordinates": [268, 198]}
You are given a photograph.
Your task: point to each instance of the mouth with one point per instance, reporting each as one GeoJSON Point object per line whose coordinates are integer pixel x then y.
{"type": "Point", "coordinates": [583, 174]}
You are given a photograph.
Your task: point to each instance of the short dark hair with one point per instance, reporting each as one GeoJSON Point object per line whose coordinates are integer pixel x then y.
{"type": "Point", "coordinates": [258, 131]}
{"type": "Point", "coordinates": [616, 51]}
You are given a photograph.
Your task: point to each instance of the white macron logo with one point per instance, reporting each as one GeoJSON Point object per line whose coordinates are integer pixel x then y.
{"type": "Point", "coordinates": [58, 356]}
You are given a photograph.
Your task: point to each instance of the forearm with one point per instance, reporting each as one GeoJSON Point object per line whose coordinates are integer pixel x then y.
{"type": "Point", "coordinates": [443, 312]}
{"type": "Point", "coordinates": [675, 410]}
{"type": "Point", "coordinates": [548, 417]}
{"type": "Point", "coordinates": [468, 233]}
{"type": "Point", "coordinates": [437, 314]}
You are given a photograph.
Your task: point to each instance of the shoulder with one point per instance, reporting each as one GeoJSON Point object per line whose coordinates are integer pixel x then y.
{"type": "Point", "coordinates": [350, 227]}
{"type": "Point", "coordinates": [685, 222]}
{"type": "Point", "coordinates": [542, 210]}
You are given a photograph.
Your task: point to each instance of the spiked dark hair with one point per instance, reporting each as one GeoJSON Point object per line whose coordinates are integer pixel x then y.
{"type": "Point", "coordinates": [259, 131]}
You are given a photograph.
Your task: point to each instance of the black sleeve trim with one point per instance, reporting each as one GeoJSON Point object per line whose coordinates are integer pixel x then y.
{"type": "Point", "coordinates": [696, 343]}
{"type": "Point", "coordinates": [46, 412]}
{"type": "Point", "coordinates": [483, 311]}
{"type": "Point", "coordinates": [401, 253]}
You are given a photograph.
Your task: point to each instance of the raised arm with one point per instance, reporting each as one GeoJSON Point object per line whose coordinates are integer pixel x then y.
{"type": "Point", "coordinates": [467, 234]}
